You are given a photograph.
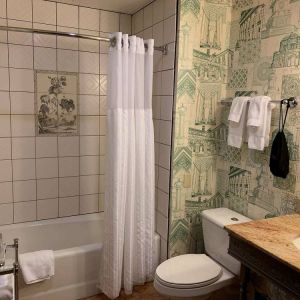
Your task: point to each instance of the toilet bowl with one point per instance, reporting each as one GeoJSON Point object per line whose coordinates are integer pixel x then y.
{"type": "Point", "coordinates": [197, 276]}
{"type": "Point", "coordinates": [191, 276]}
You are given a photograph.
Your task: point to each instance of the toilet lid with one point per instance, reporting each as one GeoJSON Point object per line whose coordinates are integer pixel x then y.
{"type": "Point", "coordinates": [188, 271]}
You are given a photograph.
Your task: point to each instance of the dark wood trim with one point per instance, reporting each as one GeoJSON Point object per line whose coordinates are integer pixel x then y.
{"type": "Point", "coordinates": [245, 276]}
{"type": "Point", "coordinates": [265, 265]}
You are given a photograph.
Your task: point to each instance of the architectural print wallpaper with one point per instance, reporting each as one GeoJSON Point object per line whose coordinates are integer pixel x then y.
{"type": "Point", "coordinates": [229, 48]}
{"type": "Point", "coordinates": [56, 103]}
{"type": "Point", "coordinates": [204, 62]}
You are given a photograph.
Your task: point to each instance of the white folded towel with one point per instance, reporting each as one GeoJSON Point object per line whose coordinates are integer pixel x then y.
{"type": "Point", "coordinates": [268, 124]}
{"type": "Point", "coordinates": [237, 121]}
{"type": "Point", "coordinates": [6, 290]}
{"type": "Point", "coordinates": [257, 108]}
{"type": "Point", "coordinates": [37, 266]}
{"type": "Point", "coordinates": [4, 280]}
{"type": "Point", "coordinates": [259, 122]}
{"type": "Point", "coordinates": [6, 293]}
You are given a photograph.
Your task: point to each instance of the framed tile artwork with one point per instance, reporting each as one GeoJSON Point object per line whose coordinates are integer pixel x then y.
{"type": "Point", "coordinates": [56, 103]}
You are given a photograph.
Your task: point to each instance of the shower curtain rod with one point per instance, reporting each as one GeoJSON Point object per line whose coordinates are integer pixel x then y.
{"type": "Point", "coordinates": [163, 49]}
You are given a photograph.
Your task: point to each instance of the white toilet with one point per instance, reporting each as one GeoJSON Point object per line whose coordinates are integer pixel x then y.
{"type": "Point", "coordinates": [197, 276]}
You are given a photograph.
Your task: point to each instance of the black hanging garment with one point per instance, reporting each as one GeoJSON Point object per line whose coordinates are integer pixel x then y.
{"type": "Point", "coordinates": [280, 159]}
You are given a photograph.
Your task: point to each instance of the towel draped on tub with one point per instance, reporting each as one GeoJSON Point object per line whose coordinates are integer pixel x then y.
{"type": "Point", "coordinates": [37, 266]}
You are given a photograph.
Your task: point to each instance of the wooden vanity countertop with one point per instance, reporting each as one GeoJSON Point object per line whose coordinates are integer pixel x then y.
{"type": "Point", "coordinates": [274, 236]}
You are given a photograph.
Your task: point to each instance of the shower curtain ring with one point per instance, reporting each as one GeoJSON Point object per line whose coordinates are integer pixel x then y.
{"type": "Point", "coordinates": [113, 41]}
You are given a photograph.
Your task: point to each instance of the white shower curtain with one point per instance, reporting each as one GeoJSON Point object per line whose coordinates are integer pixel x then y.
{"type": "Point", "coordinates": [129, 191]}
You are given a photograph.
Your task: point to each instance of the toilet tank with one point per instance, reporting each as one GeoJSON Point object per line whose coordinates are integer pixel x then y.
{"type": "Point", "coordinates": [216, 238]}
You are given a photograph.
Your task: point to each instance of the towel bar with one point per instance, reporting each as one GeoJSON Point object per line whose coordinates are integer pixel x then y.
{"type": "Point", "coordinates": [292, 101]}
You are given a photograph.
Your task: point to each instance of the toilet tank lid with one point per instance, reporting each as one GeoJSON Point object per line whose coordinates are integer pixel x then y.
{"type": "Point", "coordinates": [223, 216]}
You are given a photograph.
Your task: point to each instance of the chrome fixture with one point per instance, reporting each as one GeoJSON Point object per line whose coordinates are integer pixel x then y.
{"type": "Point", "coordinates": [163, 49]}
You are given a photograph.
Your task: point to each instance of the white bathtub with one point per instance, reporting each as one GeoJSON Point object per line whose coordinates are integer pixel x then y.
{"type": "Point", "coordinates": [77, 242]}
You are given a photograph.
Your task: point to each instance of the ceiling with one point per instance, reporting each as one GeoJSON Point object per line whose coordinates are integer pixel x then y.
{"type": "Point", "coordinates": [124, 6]}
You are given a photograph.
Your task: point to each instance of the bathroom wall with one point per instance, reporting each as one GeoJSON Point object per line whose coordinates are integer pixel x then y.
{"type": "Point", "coordinates": [266, 45]}
{"type": "Point", "coordinates": [158, 20]}
{"type": "Point", "coordinates": [228, 48]}
{"type": "Point", "coordinates": [46, 176]}
{"type": "Point", "coordinates": [203, 63]}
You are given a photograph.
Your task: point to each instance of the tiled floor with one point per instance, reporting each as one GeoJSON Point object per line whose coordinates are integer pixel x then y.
{"type": "Point", "coordinates": [147, 292]}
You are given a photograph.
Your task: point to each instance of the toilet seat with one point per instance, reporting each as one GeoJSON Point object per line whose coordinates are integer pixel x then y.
{"type": "Point", "coordinates": [188, 271]}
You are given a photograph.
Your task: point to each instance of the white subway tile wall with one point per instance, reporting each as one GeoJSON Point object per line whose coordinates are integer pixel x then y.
{"type": "Point", "coordinates": [50, 177]}
{"type": "Point", "coordinates": [158, 20]}
{"type": "Point", "coordinates": [44, 177]}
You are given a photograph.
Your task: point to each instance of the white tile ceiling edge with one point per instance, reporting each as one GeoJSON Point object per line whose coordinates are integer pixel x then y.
{"type": "Point", "coordinates": [123, 6]}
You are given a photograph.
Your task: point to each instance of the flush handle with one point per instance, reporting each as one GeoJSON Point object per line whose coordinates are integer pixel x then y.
{"type": "Point", "coordinates": [235, 219]}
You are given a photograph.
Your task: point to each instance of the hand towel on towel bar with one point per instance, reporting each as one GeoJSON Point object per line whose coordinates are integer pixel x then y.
{"type": "Point", "coordinates": [259, 122]}
{"type": "Point", "coordinates": [237, 121]}
{"type": "Point", "coordinates": [37, 266]}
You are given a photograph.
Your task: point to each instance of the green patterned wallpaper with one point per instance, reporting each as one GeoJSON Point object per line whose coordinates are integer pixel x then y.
{"type": "Point", "coordinates": [228, 48]}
